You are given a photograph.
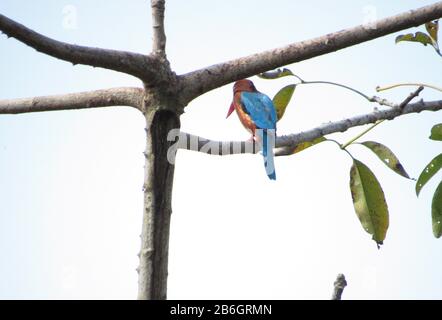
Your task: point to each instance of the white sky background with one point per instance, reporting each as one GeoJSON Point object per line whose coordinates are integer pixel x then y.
{"type": "Point", "coordinates": [70, 182]}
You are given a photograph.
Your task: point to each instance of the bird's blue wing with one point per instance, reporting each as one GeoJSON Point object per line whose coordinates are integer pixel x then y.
{"type": "Point", "coordinates": [260, 108]}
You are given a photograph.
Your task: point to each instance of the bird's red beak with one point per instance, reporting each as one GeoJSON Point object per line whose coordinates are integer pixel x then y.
{"type": "Point", "coordinates": [232, 107]}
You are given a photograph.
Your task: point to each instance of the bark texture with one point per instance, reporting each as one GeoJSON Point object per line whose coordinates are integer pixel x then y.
{"type": "Point", "coordinates": [132, 97]}
{"type": "Point", "coordinates": [152, 280]}
{"type": "Point", "coordinates": [159, 35]}
{"type": "Point", "coordinates": [338, 287]}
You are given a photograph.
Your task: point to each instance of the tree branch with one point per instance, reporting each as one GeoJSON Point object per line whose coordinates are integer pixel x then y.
{"type": "Point", "coordinates": [201, 81]}
{"type": "Point", "coordinates": [147, 68]}
{"type": "Point", "coordinates": [195, 143]}
{"type": "Point", "coordinates": [338, 287]}
{"type": "Point", "coordinates": [82, 100]}
{"type": "Point", "coordinates": [410, 97]}
{"type": "Point", "coordinates": [159, 35]}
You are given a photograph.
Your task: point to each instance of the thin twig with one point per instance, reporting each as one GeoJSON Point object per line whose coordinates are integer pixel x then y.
{"type": "Point", "coordinates": [400, 107]}
{"type": "Point", "coordinates": [159, 35]}
{"type": "Point", "coordinates": [397, 85]}
{"type": "Point", "coordinates": [410, 97]}
{"type": "Point", "coordinates": [339, 85]}
{"type": "Point", "coordinates": [345, 145]}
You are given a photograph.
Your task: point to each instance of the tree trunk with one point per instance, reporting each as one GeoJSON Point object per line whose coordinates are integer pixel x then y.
{"type": "Point", "coordinates": [158, 182]}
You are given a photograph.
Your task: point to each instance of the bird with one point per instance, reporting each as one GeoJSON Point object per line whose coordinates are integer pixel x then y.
{"type": "Point", "coordinates": [257, 114]}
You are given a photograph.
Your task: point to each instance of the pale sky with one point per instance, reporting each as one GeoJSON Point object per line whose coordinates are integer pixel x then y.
{"type": "Point", "coordinates": [71, 181]}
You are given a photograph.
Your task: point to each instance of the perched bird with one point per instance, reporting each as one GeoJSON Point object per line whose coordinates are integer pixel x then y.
{"type": "Point", "coordinates": [258, 115]}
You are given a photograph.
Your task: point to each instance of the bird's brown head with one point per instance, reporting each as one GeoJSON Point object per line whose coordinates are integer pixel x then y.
{"type": "Point", "coordinates": [240, 86]}
{"type": "Point", "coordinates": [243, 85]}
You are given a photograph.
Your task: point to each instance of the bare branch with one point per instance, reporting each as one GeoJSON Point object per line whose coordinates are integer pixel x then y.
{"type": "Point", "coordinates": [159, 35]}
{"type": "Point", "coordinates": [195, 143]}
{"type": "Point", "coordinates": [141, 66]}
{"type": "Point", "coordinates": [82, 100]}
{"type": "Point", "coordinates": [411, 97]}
{"type": "Point", "coordinates": [198, 82]}
{"type": "Point", "coordinates": [338, 287]}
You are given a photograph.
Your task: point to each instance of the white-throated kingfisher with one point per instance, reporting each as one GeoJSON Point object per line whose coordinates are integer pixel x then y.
{"type": "Point", "coordinates": [258, 115]}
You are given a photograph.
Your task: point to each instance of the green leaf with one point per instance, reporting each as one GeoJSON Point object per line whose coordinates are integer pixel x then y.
{"type": "Point", "coordinates": [418, 37]}
{"type": "Point", "coordinates": [436, 211]}
{"type": "Point", "coordinates": [285, 151]}
{"type": "Point", "coordinates": [436, 132]}
{"type": "Point", "coordinates": [432, 29]}
{"type": "Point", "coordinates": [304, 145]}
{"type": "Point", "coordinates": [282, 99]}
{"type": "Point", "coordinates": [387, 157]}
{"type": "Point", "coordinates": [430, 170]}
{"type": "Point", "coordinates": [369, 201]}
{"type": "Point", "coordinates": [275, 74]}
{"type": "Point", "coordinates": [430, 38]}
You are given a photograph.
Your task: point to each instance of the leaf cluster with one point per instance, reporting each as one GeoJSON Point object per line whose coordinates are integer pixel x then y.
{"type": "Point", "coordinates": [367, 194]}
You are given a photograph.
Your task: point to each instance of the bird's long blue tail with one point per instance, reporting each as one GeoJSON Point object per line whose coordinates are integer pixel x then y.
{"type": "Point", "coordinates": [268, 142]}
